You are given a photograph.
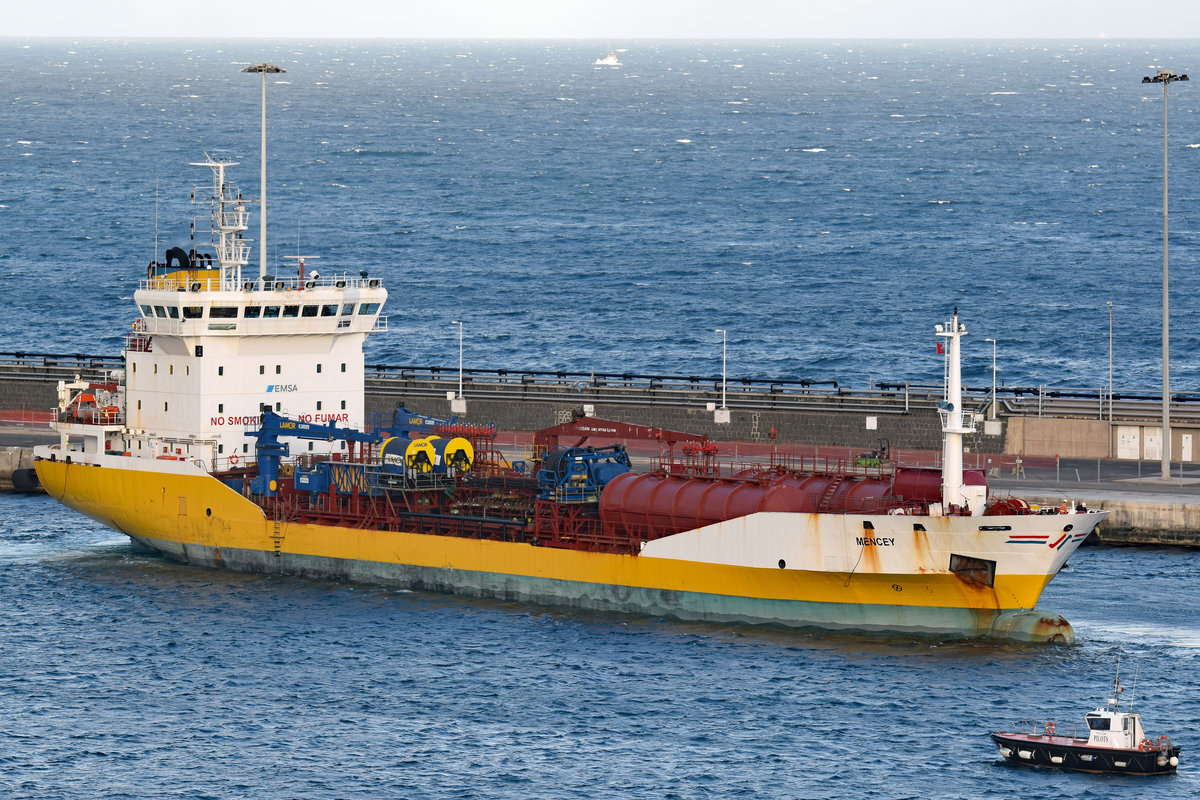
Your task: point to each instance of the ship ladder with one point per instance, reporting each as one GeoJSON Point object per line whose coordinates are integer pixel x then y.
{"type": "Point", "coordinates": [277, 532]}
{"type": "Point", "coordinates": [830, 490]}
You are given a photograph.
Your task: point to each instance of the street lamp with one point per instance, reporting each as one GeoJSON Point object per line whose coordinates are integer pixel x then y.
{"type": "Point", "coordinates": [460, 368]}
{"type": "Point", "coordinates": [262, 221]}
{"type": "Point", "coordinates": [993, 341]}
{"type": "Point", "coordinates": [1166, 77]}
{"type": "Point", "coordinates": [1110, 383]}
{"type": "Point", "coordinates": [723, 339]}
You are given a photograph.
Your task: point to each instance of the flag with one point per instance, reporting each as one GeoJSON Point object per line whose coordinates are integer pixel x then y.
{"type": "Point", "coordinates": [940, 348]}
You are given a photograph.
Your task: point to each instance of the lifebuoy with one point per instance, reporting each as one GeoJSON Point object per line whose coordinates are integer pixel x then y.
{"type": "Point", "coordinates": [233, 459]}
{"type": "Point", "coordinates": [1146, 745]}
{"type": "Point", "coordinates": [1049, 728]}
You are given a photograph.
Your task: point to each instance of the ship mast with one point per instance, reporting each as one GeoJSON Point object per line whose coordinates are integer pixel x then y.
{"type": "Point", "coordinates": [229, 219]}
{"type": "Point", "coordinates": [262, 189]}
{"type": "Point", "coordinates": [954, 423]}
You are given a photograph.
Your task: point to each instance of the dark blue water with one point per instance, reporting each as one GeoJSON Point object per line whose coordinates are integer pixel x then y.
{"type": "Point", "coordinates": [826, 203]}
{"type": "Point", "coordinates": [128, 676]}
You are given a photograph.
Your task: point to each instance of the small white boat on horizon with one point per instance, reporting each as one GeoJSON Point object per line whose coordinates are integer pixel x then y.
{"type": "Point", "coordinates": [609, 60]}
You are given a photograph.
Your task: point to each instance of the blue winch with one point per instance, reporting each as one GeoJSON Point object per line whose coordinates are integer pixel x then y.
{"type": "Point", "coordinates": [578, 474]}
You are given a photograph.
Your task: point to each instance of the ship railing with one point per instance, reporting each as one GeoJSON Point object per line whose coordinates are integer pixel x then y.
{"type": "Point", "coordinates": [105, 415]}
{"type": "Point", "coordinates": [266, 283]}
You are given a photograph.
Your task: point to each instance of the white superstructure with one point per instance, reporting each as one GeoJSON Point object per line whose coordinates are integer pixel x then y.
{"type": "Point", "coordinates": [209, 348]}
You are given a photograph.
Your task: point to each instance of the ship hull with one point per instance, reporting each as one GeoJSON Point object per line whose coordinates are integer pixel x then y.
{"type": "Point", "coordinates": [194, 518]}
{"type": "Point", "coordinates": [1061, 752]}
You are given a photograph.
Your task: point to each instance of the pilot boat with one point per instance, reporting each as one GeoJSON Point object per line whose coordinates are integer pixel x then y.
{"type": "Point", "coordinates": [1113, 741]}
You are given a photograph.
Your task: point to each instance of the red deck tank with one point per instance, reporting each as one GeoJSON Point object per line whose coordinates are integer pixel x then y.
{"type": "Point", "coordinates": [653, 505]}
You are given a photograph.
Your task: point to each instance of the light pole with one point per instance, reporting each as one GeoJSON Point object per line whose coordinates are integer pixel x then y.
{"type": "Point", "coordinates": [723, 339]}
{"type": "Point", "coordinates": [262, 191]}
{"type": "Point", "coordinates": [1166, 77]}
{"type": "Point", "coordinates": [993, 341]}
{"type": "Point", "coordinates": [1110, 383]}
{"type": "Point", "coordinates": [460, 368]}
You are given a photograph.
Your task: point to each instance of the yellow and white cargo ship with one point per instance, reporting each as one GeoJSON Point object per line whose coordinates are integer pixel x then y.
{"type": "Point", "coordinates": [161, 452]}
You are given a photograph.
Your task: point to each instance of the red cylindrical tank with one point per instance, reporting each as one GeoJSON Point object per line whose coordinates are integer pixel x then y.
{"type": "Point", "coordinates": [649, 506]}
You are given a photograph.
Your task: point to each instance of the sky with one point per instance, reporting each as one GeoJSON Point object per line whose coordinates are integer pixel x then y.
{"type": "Point", "coordinates": [614, 21]}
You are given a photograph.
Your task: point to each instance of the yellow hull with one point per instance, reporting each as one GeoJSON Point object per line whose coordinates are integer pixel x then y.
{"type": "Point", "coordinates": [198, 519]}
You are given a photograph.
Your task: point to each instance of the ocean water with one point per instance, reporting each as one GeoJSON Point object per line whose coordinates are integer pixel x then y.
{"type": "Point", "coordinates": [129, 676]}
{"type": "Point", "coordinates": [826, 203]}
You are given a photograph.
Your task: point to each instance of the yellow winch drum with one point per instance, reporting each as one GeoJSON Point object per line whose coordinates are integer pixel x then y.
{"type": "Point", "coordinates": [452, 455]}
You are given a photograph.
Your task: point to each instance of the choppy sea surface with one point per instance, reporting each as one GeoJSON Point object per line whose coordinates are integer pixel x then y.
{"type": "Point", "coordinates": [126, 675]}
{"type": "Point", "coordinates": [826, 203]}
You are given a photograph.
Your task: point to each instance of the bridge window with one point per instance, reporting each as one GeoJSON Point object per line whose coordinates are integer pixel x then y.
{"type": "Point", "coordinates": [310, 311]}
{"type": "Point", "coordinates": [291, 311]}
{"type": "Point", "coordinates": [147, 311]}
{"type": "Point", "coordinates": [347, 308]}
{"type": "Point", "coordinates": [368, 308]}
{"type": "Point", "coordinates": [329, 311]}
{"type": "Point", "coordinates": [223, 312]}
{"type": "Point", "coordinates": [251, 312]}
{"type": "Point", "coordinates": [173, 312]}
{"type": "Point", "coordinates": [193, 312]}
{"type": "Point", "coordinates": [160, 311]}
{"type": "Point", "coordinates": [270, 312]}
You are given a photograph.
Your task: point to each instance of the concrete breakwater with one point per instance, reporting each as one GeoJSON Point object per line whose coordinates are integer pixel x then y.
{"type": "Point", "coordinates": [1043, 425]}
{"type": "Point", "coordinates": [16, 470]}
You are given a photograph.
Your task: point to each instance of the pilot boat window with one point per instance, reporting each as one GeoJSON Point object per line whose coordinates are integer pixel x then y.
{"type": "Point", "coordinates": [270, 311]}
{"type": "Point", "coordinates": [291, 311]}
{"type": "Point", "coordinates": [193, 312]}
{"type": "Point", "coordinates": [329, 311]}
{"type": "Point", "coordinates": [251, 312]}
{"type": "Point", "coordinates": [310, 311]}
{"type": "Point", "coordinates": [223, 312]}
{"type": "Point", "coordinates": [1098, 723]}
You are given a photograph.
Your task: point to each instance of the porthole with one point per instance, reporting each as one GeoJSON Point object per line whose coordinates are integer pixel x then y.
{"type": "Point", "coordinates": [782, 564]}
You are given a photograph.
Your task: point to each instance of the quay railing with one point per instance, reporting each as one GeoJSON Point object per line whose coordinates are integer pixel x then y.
{"type": "Point", "coordinates": [636, 389]}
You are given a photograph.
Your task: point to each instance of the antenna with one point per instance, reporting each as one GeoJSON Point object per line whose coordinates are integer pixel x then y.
{"type": "Point", "coordinates": [154, 257]}
{"type": "Point", "coordinates": [1134, 692]}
